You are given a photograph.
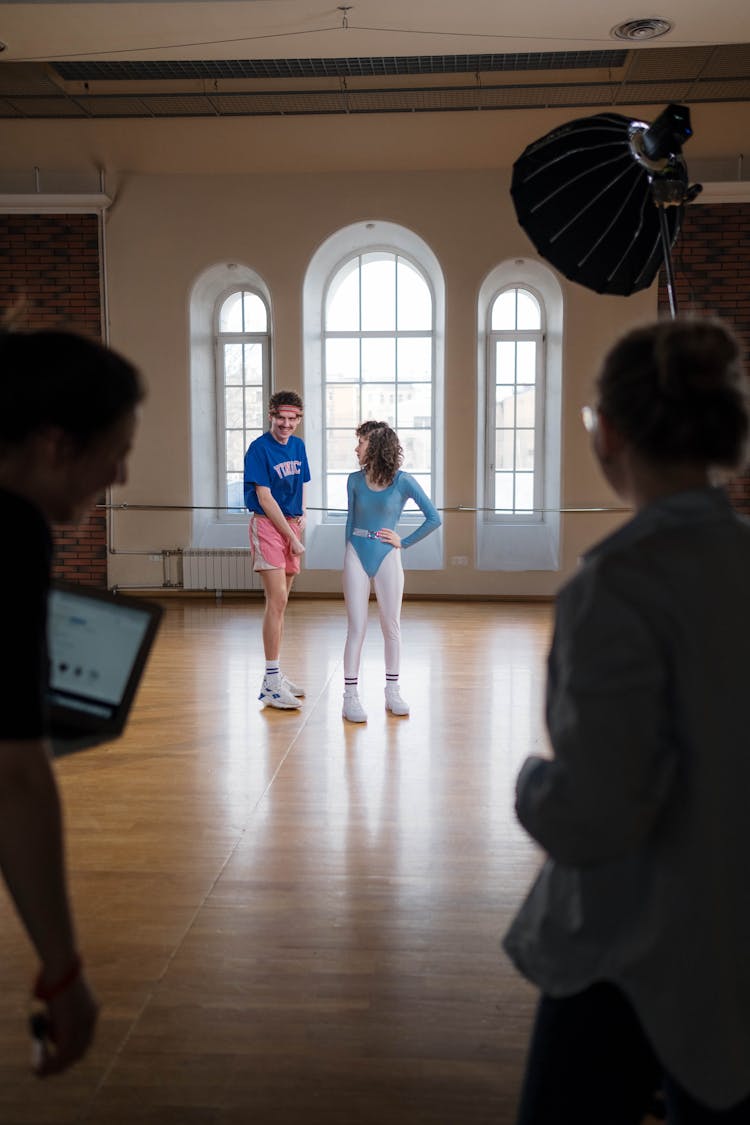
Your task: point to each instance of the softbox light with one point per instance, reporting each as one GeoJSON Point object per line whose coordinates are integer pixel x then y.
{"type": "Point", "coordinates": [602, 198]}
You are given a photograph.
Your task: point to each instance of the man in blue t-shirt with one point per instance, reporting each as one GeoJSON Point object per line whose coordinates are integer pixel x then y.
{"type": "Point", "coordinates": [276, 472]}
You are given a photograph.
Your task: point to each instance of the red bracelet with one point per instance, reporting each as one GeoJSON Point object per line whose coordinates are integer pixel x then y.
{"type": "Point", "coordinates": [51, 991]}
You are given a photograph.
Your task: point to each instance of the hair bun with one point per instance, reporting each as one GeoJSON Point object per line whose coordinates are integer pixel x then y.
{"type": "Point", "coordinates": [695, 357]}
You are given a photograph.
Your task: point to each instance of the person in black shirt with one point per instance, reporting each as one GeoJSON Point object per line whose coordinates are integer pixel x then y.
{"type": "Point", "coordinates": [68, 412]}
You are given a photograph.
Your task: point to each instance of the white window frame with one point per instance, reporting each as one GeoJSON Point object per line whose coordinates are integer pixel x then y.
{"type": "Point", "coordinates": [537, 336]}
{"type": "Point", "coordinates": [514, 542]}
{"type": "Point", "coordinates": [324, 537]}
{"type": "Point", "coordinates": [220, 339]}
{"type": "Point", "coordinates": [331, 515]}
{"type": "Point", "coordinates": [209, 527]}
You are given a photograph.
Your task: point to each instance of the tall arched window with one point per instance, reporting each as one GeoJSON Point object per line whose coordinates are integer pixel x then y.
{"type": "Point", "coordinates": [377, 364]}
{"type": "Point", "coordinates": [374, 339]}
{"type": "Point", "coordinates": [519, 360]}
{"type": "Point", "coordinates": [515, 405]}
{"type": "Point", "coordinates": [243, 345]}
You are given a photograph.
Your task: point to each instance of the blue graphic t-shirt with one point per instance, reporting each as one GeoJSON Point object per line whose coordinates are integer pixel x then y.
{"type": "Point", "coordinates": [282, 468]}
{"type": "Point", "coordinates": [371, 509]}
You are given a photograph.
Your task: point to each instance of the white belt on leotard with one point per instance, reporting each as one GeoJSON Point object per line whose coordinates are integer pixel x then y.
{"type": "Point", "coordinates": [363, 533]}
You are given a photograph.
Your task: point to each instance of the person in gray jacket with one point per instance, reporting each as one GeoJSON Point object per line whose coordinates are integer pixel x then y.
{"type": "Point", "coordinates": [637, 929]}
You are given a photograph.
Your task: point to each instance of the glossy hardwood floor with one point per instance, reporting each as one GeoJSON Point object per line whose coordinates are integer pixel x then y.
{"type": "Point", "coordinates": [289, 918]}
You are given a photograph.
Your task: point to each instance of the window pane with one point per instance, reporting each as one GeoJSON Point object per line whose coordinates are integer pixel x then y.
{"type": "Point", "coordinates": [525, 406]}
{"type": "Point", "coordinates": [243, 311]}
{"type": "Point", "coordinates": [415, 405]}
{"type": "Point", "coordinates": [415, 359]}
{"type": "Point", "coordinates": [254, 407]}
{"type": "Point", "coordinates": [505, 401]}
{"type": "Point", "coordinates": [417, 450]}
{"type": "Point", "coordinates": [378, 360]}
{"type": "Point", "coordinates": [378, 292]}
{"type": "Point", "coordinates": [233, 370]}
{"type": "Point", "coordinates": [504, 492]}
{"type": "Point", "coordinates": [342, 406]}
{"type": "Point", "coordinates": [504, 446]}
{"type": "Point", "coordinates": [256, 314]}
{"type": "Point", "coordinates": [526, 361]}
{"type": "Point", "coordinates": [524, 492]}
{"type": "Point", "coordinates": [250, 436]}
{"type": "Point", "coordinates": [504, 311]}
{"type": "Point", "coordinates": [528, 311]}
{"type": "Point", "coordinates": [235, 494]}
{"type": "Point", "coordinates": [233, 413]}
{"type": "Point", "coordinates": [340, 455]}
{"type": "Point", "coordinates": [235, 446]}
{"type": "Point", "coordinates": [254, 363]}
{"type": "Point", "coordinates": [336, 493]}
{"type": "Point", "coordinates": [414, 299]}
{"type": "Point", "coordinates": [505, 361]}
{"type": "Point", "coordinates": [230, 317]}
{"type": "Point", "coordinates": [342, 301]}
{"type": "Point", "coordinates": [379, 403]}
{"type": "Point", "coordinates": [524, 450]}
{"type": "Point", "coordinates": [342, 359]}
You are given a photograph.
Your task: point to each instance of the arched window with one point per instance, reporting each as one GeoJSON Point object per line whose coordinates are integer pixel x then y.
{"type": "Point", "coordinates": [519, 323]}
{"type": "Point", "coordinates": [377, 364]}
{"type": "Point", "coordinates": [374, 332]}
{"type": "Point", "coordinates": [230, 375]}
{"type": "Point", "coordinates": [515, 405]}
{"type": "Point", "coordinates": [243, 345]}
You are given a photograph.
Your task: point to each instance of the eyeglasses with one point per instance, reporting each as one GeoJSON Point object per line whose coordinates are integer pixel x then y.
{"type": "Point", "coordinates": [589, 417]}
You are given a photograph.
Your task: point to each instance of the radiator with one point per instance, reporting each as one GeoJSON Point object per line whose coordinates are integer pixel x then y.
{"type": "Point", "coordinates": [218, 570]}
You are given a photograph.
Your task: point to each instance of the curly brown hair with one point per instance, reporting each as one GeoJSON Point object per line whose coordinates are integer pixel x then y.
{"type": "Point", "coordinates": [284, 398]}
{"type": "Point", "coordinates": [384, 452]}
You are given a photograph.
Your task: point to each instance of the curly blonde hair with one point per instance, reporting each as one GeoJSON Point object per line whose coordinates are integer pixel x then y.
{"type": "Point", "coordinates": [384, 452]}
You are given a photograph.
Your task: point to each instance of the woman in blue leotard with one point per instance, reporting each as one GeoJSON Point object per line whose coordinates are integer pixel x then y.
{"type": "Point", "coordinates": [377, 495]}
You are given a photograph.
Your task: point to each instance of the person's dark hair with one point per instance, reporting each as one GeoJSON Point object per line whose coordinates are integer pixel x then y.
{"type": "Point", "coordinates": [677, 391]}
{"type": "Point", "coordinates": [384, 452]}
{"type": "Point", "coordinates": [55, 378]}
{"type": "Point", "coordinates": [284, 398]}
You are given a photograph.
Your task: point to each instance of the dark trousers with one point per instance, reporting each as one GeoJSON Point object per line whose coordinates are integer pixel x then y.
{"type": "Point", "coordinates": [590, 1063]}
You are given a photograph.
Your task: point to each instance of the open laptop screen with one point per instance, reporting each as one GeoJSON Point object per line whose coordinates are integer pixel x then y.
{"type": "Point", "coordinates": [98, 646]}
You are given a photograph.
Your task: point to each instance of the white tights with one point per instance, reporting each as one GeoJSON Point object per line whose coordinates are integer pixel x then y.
{"type": "Point", "coordinates": [389, 590]}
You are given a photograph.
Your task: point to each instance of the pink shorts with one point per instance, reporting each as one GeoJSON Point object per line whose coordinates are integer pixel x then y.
{"type": "Point", "coordinates": [270, 549]}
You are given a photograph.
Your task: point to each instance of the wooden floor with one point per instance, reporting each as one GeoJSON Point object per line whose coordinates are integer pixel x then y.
{"type": "Point", "coordinates": [292, 919]}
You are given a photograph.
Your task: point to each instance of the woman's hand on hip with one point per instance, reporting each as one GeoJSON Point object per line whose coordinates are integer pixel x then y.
{"type": "Point", "coordinates": [385, 535]}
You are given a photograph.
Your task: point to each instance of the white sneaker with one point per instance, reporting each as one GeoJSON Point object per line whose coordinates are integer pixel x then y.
{"type": "Point", "coordinates": [353, 711]}
{"type": "Point", "coordinates": [276, 695]}
{"type": "Point", "coordinates": [292, 687]}
{"type": "Point", "coordinates": [393, 701]}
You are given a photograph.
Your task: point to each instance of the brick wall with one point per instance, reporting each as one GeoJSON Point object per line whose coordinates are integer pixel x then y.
{"type": "Point", "coordinates": [49, 270]}
{"type": "Point", "coordinates": [712, 276]}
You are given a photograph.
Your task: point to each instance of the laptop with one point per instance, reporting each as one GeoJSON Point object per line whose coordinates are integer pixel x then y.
{"type": "Point", "coordinates": [99, 643]}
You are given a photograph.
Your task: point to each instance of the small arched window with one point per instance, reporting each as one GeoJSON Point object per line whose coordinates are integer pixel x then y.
{"type": "Point", "coordinates": [515, 405]}
{"type": "Point", "coordinates": [519, 361]}
{"type": "Point", "coordinates": [243, 350]}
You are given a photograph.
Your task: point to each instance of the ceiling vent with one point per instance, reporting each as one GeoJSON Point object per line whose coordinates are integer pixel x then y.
{"type": "Point", "coordinates": [637, 31]}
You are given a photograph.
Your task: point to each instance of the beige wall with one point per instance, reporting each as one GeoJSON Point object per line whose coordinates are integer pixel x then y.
{"type": "Point", "coordinates": [266, 193]}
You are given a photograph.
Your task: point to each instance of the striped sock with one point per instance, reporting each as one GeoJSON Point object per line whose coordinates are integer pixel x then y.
{"type": "Point", "coordinates": [391, 678]}
{"type": "Point", "coordinates": [272, 670]}
{"type": "Point", "coordinates": [350, 685]}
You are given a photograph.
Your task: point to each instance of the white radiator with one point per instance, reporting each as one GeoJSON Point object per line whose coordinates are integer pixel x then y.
{"type": "Point", "coordinates": [218, 570]}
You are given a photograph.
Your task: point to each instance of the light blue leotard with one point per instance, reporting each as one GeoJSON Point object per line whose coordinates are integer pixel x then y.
{"type": "Point", "coordinates": [370, 509]}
